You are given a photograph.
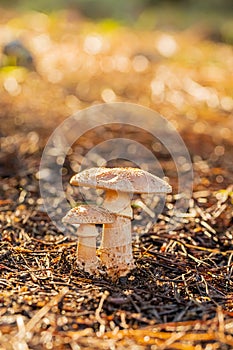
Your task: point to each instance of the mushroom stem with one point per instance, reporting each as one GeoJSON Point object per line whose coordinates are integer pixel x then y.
{"type": "Point", "coordinates": [86, 249]}
{"type": "Point", "coordinates": [118, 202]}
{"type": "Point", "coordinates": [116, 247]}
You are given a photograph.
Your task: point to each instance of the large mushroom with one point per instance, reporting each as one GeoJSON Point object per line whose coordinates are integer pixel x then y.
{"type": "Point", "coordinates": [85, 217]}
{"type": "Point", "coordinates": [119, 184]}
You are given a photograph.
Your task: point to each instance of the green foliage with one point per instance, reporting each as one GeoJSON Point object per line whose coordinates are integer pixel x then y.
{"type": "Point", "coordinates": [215, 16]}
{"type": "Point", "coordinates": [121, 9]}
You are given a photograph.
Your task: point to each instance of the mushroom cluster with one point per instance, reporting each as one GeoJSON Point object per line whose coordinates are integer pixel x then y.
{"type": "Point", "coordinates": [115, 215]}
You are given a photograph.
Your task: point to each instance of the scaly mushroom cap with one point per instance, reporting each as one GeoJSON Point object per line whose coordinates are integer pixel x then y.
{"type": "Point", "coordinates": [132, 180]}
{"type": "Point", "coordinates": [88, 214]}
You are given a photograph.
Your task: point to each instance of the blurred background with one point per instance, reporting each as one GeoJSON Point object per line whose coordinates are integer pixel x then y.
{"type": "Point", "coordinates": [176, 14]}
{"type": "Point", "coordinates": [59, 57]}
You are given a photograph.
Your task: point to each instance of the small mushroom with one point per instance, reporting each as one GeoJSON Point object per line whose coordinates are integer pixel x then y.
{"type": "Point", "coordinates": [85, 217]}
{"type": "Point", "coordinates": [119, 184]}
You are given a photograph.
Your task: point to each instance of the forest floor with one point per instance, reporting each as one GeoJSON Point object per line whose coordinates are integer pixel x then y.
{"type": "Point", "coordinates": [180, 294]}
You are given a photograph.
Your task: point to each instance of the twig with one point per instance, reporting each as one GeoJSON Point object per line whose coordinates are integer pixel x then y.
{"type": "Point", "coordinates": [42, 312]}
{"type": "Point", "coordinates": [99, 308]}
{"type": "Point", "coordinates": [171, 340]}
{"type": "Point", "coordinates": [19, 342]}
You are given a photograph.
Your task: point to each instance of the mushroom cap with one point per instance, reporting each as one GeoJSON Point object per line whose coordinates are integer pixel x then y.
{"type": "Point", "coordinates": [132, 180]}
{"type": "Point", "coordinates": [88, 214]}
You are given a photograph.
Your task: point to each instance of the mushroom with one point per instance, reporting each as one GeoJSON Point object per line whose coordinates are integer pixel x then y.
{"type": "Point", "coordinates": [119, 184]}
{"type": "Point", "coordinates": [85, 217]}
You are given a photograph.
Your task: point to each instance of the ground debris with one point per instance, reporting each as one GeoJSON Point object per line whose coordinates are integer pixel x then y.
{"type": "Point", "coordinates": [173, 299]}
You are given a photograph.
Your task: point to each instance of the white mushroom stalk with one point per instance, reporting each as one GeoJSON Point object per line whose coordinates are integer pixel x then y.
{"type": "Point", "coordinates": [86, 248]}
{"type": "Point", "coordinates": [84, 217]}
{"type": "Point", "coordinates": [118, 203]}
{"type": "Point", "coordinates": [116, 247]}
{"type": "Point", "coordinates": [116, 244]}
